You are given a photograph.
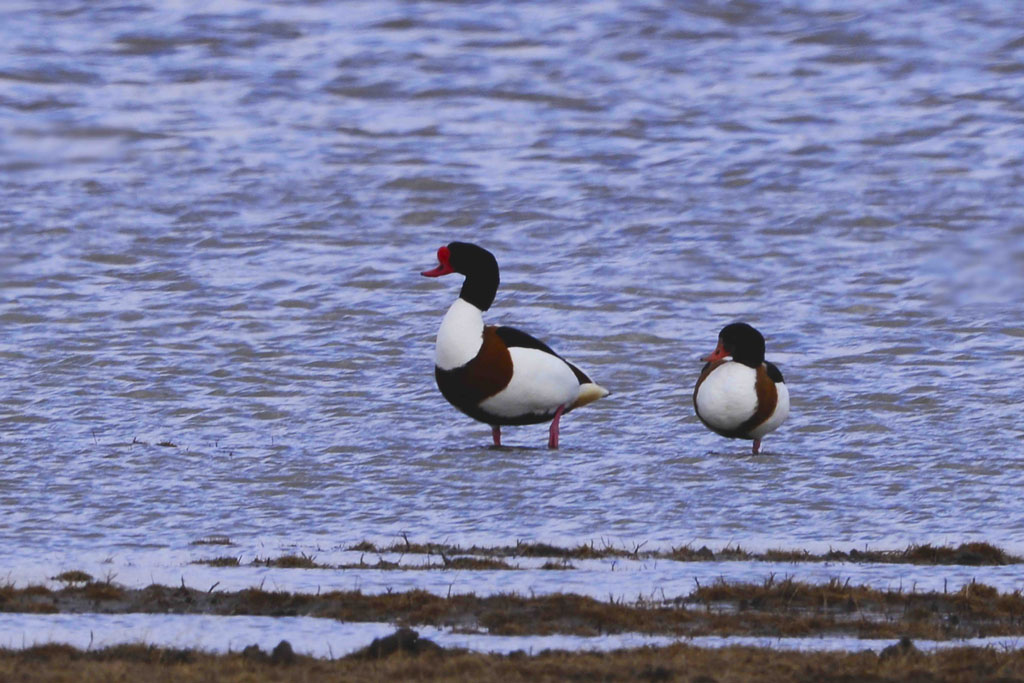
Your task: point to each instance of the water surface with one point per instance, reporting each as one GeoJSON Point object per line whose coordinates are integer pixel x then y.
{"type": "Point", "coordinates": [212, 224]}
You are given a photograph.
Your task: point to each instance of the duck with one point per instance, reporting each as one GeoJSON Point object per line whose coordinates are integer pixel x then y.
{"type": "Point", "coordinates": [499, 375]}
{"type": "Point", "coordinates": [739, 394]}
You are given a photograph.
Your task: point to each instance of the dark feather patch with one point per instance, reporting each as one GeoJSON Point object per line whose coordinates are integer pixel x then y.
{"type": "Point", "coordinates": [767, 399]}
{"type": "Point", "coordinates": [774, 374]}
{"type": "Point", "coordinates": [485, 375]}
{"type": "Point", "coordinates": [513, 337]}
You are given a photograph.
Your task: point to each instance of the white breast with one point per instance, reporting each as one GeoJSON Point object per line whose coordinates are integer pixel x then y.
{"type": "Point", "coordinates": [727, 397]}
{"type": "Point", "coordinates": [540, 383]}
{"type": "Point", "coordinates": [460, 337]}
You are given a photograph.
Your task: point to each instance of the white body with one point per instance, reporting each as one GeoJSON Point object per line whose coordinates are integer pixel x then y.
{"type": "Point", "coordinates": [540, 384]}
{"type": "Point", "coordinates": [540, 381]}
{"type": "Point", "coordinates": [727, 398]}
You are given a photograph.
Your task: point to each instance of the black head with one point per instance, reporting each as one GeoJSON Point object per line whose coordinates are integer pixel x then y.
{"type": "Point", "coordinates": [470, 259]}
{"type": "Point", "coordinates": [742, 342]}
{"type": "Point", "coordinates": [477, 264]}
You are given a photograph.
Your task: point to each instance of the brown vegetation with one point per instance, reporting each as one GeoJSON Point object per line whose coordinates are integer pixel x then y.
{"type": "Point", "coordinates": [495, 558]}
{"type": "Point", "coordinates": [772, 608]}
{"type": "Point", "coordinates": [59, 663]}
{"type": "Point", "coordinates": [224, 561]}
{"type": "Point", "coordinates": [302, 561]}
{"type": "Point", "coordinates": [972, 554]}
{"type": "Point", "coordinates": [213, 539]}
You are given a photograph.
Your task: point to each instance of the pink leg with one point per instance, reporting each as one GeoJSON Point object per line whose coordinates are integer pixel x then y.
{"type": "Point", "coordinates": [757, 446]}
{"type": "Point", "coordinates": [496, 434]}
{"type": "Point", "coordinates": [553, 431]}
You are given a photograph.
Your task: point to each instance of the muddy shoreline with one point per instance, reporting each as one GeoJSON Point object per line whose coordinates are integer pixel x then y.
{"type": "Point", "coordinates": [772, 608]}
{"type": "Point", "coordinates": [673, 663]}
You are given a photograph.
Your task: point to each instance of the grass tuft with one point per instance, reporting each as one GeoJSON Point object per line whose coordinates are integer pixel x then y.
{"type": "Point", "coordinates": [474, 563]}
{"type": "Point", "coordinates": [558, 565]}
{"type": "Point", "coordinates": [225, 561]}
{"type": "Point", "coordinates": [300, 561]}
{"type": "Point", "coordinates": [213, 539]}
{"type": "Point", "coordinates": [364, 546]}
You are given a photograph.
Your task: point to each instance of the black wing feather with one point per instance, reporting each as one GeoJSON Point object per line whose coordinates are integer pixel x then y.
{"type": "Point", "coordinates": [774, 374]}
{"type": "Point", "coordinates": [513, 337]}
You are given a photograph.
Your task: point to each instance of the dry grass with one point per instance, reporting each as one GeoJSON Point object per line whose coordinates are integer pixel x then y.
{"type": "Point", "coordinates": [972, 554]}
{"type": "Point", "coordinates": [58, 663]}
{"type": "Point", "coordinates": [213, 539]}
{"type": "Point", "coordinates": [303, 561]}
{"type": "Point", "coordinates": [520, 549]}
{"type": "Point", "coordinates": [449, 562]}
{"type": "Point", "coordinates": [771, 608]}
{"type": "Point", "coordinates": [496, 558]}
{"type": "Point", "coordinates": [973, 611]}
{"type": "Point", "coordinates": [223, 561]}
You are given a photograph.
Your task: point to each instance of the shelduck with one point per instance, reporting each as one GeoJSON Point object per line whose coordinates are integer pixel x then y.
{"type": "Point", "coordinates": [499, 375]}
{"type": "Point", "coordinates": [739, 394]}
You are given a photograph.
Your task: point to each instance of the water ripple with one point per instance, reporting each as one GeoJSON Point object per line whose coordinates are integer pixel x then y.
{"type": "Point", "coordinates": [212, 225]}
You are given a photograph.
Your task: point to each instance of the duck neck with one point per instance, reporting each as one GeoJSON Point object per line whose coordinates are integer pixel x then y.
{"type": "Point", "coordinates": [480, 288]}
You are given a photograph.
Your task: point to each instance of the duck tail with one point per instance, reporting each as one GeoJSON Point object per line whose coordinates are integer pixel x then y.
{"type": "Point", "coordinates": [589, 392]}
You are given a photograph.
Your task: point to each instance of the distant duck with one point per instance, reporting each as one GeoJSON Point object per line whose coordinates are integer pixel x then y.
{"type": "Point", "coordinates": [499, 375]}
{"type": "Point", "coordinates": [739, 394]}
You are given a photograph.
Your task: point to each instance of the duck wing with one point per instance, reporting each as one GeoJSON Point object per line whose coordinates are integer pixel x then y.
{"type": "Point", "coordinates": [513, 337]}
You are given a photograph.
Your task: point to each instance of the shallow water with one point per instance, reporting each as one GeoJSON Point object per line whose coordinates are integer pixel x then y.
{"type": "Point", "coordinates": [618, 580]}
{"type": "Point", "coordinates": [212, 225]}
{"type": "Point", "coordinates": [328, 638]}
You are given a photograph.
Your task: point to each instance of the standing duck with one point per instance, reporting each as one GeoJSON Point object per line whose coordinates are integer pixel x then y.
{"type": "Point", "coordinates": [739, 394]}
{"type": "Point", "coordinates": [499, 375]}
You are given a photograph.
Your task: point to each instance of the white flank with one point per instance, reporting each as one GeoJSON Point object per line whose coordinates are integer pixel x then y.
{"type": "Point", "coordinates": [460, 337]}
{"type": "Point", "coordinates": [540, 383]}
{"type": "Point", "coordinates": [727, 398]}
{"type": "Point", "coordinates": [777, 417]}
{"type": "Point", "coordinates": [589, 392]}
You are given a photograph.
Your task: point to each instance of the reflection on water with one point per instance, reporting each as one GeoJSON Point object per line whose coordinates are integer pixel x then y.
{"type": "Point", "coordinates": [212, 224]}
